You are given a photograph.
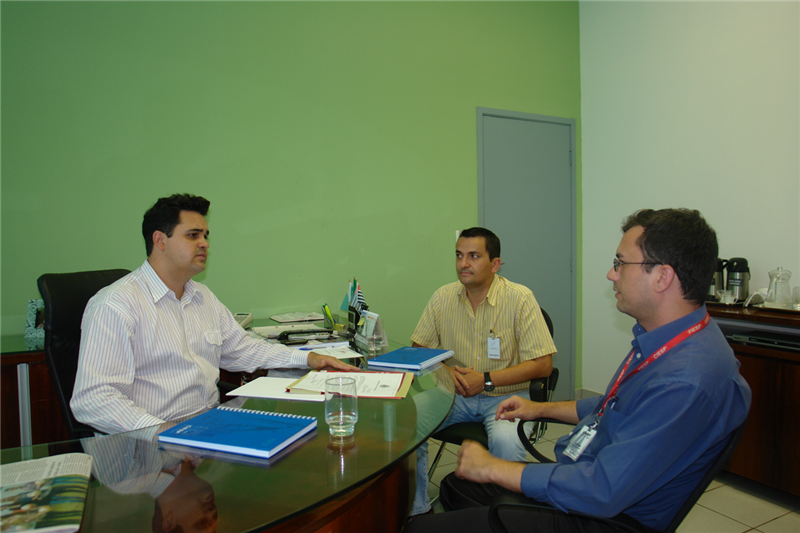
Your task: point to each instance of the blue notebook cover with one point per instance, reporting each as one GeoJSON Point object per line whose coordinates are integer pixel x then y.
{"type": "Point", "coordinates": [241, 431]}
{"type": "Point", "coordinates": [412, 358]}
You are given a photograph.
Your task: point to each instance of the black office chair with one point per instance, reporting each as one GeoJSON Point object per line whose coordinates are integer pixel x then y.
{"type": "Point", "coordinates": [621, 522]}
{"type": "Point", "coordinates": [65, 297]}
{"type": "Point", "coordinates": [530, 436]}
{"type": "Point", "coordinates": [540, 389]}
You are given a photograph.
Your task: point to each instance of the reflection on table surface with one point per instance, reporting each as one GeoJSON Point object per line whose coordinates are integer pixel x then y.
{"type": "Point", "coordinates": [139, 486]}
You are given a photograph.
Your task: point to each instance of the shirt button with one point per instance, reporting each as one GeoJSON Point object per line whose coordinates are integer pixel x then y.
{"type": "Point", "coordinates": [638, 355]}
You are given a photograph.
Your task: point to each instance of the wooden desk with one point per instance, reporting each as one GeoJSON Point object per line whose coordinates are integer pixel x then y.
{"type": "Point", "coordinates": [768, 449]}
{"type": "Point", "coordinates": [366, 484]}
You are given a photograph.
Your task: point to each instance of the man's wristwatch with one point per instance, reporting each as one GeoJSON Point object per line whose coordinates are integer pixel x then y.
{"type": "Point", "coordinates": [488, 386]}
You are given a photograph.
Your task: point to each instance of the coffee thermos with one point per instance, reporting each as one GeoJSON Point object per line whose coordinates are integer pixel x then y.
{"type": "Point", "coordinates": [717, 282]}
{"type": "Point", "coordinates": [738, 274]}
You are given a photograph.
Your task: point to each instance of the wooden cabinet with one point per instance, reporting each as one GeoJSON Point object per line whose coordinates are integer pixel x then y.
{"type": "Point", "coordinates": [768, 447]}
{"type": "Point", "coordinates": [47, 425]}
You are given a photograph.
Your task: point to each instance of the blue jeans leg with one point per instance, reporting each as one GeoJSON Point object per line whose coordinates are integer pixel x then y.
{"type": "Point", "coordinates": [503, 439]}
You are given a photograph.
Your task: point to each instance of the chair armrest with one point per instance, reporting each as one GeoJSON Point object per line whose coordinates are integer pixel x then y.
{"type": "Point", "coordinates": [537, 389]}
{"type": "Point", "coordinates": [224, 388]}
{"type": "Point", "coordinates": [527, 443]}
{"type": "Point", "coordinates": [620, 522]}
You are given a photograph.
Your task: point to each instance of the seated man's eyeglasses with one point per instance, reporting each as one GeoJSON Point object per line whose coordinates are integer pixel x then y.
{"type": "Point", "coordinates": [618, 263]}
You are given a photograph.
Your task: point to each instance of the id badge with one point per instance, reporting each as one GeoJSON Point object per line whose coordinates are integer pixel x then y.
{"type": "Point", "coordinates": [493, 347]}
{"type": "Point", "coordinates": [579, 442]}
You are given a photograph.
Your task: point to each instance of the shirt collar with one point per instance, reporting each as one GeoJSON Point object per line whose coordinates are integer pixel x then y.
{"type": "Point", "coordinates": [492, 295]}
{"type": "Point", "coordinates": [158, 289]}
{"type": "Point", "coordinates": [650, 341]}
{"type": "Point", "coordinates": [494, 290]}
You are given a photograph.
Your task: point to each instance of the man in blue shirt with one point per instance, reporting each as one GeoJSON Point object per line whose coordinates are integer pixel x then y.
{"type": "Point", "coordinates": [642, 447]}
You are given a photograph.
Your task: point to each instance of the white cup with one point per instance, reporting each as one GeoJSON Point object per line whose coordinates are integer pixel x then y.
{"type": "Point", "coordinates": [726, 297]}
{"type": "Point", "coordinates": [341, 405]}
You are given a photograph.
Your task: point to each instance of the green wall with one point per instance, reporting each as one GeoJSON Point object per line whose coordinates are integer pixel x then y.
{"type": "Point", "coordinates": [333, 139]}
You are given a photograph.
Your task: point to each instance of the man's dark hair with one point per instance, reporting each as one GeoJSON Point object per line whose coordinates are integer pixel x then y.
{"type": "Point", "coordinates": [491, 241]}
{"type": "Point", "coordinates": [166, 214]}
{"type": "Point", "coordinates": [682, 239]}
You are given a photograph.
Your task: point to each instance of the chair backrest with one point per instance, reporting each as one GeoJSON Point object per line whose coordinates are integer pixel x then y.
{"type": "Point", "coordinates": [709, 476]}
{"type": "Point", "coordinates": [65, 297]}
{"type": "Point", "coordinates": [547, 321]}
{"type": "Point", "coordinates": [542, 388]}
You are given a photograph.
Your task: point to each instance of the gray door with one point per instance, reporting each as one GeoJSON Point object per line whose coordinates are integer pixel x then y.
{"type": "Point", "coordinates": [527, 197]}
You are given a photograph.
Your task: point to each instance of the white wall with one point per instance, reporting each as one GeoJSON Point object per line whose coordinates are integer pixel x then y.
{"type": "Point", "coordinates": [686, 105]}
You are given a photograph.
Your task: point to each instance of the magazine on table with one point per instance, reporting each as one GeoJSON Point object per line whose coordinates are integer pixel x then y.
{"type": "Point", "coordinates": [45, 495]}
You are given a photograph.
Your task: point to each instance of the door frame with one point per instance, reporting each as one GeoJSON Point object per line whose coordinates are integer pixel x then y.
{"type": "Point", "coordinates": [570, 123]}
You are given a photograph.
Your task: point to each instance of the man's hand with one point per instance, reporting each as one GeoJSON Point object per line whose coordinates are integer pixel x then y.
{"type": "Point", "coordinates": [326, 362]}
{"type": "Point", "coordinates": [459, 381]}
{"type": "Point", "coordinates": [471, 382]}
{"type": "Point", "coordinates": [516, 407]}
{"type": "Point", "coordinates": [475, 463]}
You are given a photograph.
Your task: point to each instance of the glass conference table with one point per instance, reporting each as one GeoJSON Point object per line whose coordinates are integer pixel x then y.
{"type": "Point", "coordinates": [365, 483]}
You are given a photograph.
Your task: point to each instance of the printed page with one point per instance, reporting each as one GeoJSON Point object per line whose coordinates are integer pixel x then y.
{"type": "Point", "coordinates": [69, 464]}
{"type": "Point", "coordinates": [368, 384]}
{"type": "Point", "coordinates": [275, 388]}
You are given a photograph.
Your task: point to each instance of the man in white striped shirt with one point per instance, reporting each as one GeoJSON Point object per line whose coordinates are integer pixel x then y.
{"type": "Point", "coordinates": [153, 342]}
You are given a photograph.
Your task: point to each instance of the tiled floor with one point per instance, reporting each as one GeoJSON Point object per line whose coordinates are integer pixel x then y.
{"type": "Point", "coordinates": [731, 504]}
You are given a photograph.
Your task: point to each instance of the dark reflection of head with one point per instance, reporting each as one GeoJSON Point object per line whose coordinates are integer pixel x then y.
{"type": "Point", "coordinates": [187, 505]}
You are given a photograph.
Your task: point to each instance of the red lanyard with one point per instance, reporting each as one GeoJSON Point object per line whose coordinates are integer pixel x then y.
{"type": "Point", "coordinates": [658, 353]}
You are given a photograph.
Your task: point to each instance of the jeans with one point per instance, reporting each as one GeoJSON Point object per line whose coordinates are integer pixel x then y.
{"type": "Point", "coordinates": [503, 440]}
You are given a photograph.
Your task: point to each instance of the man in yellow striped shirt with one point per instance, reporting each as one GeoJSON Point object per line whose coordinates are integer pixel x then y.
{"type": "Point", "coordinates": [500, 340]}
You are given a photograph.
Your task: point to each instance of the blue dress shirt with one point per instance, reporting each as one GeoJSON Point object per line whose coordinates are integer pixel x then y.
{"type": "Point", "coordinates": [667, 425]}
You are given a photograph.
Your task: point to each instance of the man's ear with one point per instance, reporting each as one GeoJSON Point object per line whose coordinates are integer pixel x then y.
{"type": "Point", "coordinates": [666, 278]}
{"type": "Point", "coordinates": [169, 522]}
{"type": "Point", "coordinates": [496, 262]}
{"type": "Point", "coordinates": [159, 240]}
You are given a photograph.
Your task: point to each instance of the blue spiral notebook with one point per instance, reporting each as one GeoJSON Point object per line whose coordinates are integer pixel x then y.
{"type": "Point", "coordinates": [241, 431]}
{"type": "Point", "coordinates": [411, 358]}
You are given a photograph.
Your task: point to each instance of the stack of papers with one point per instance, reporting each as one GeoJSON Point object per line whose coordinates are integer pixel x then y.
{"type": "Point", "coordinates": [272, 332]}
{"type": "Point", "coordinates": [338, 350]}
{"type": "Point", "coordinates": [298, 317]}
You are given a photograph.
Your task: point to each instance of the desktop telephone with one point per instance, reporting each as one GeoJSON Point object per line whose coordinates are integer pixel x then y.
{"type": "Point", "coordinates": [244, 319]}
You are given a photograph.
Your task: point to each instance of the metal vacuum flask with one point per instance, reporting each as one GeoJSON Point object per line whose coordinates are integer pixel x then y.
{"type": "Point", "coordinates": [738, 278]}
{"type": "Point", "coordinates": [717, 282]}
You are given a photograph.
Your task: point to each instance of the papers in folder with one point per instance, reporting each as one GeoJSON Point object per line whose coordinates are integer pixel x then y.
{"type": "Point", "coordinates": [368, 384]}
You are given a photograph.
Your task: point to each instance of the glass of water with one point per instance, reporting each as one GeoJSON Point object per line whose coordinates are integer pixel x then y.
{"type": "Point", "coordinates": [341, 405]}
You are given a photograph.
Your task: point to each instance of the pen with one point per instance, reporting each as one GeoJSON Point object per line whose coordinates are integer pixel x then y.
{"type": "Point", "coordinates": [328, 313]}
